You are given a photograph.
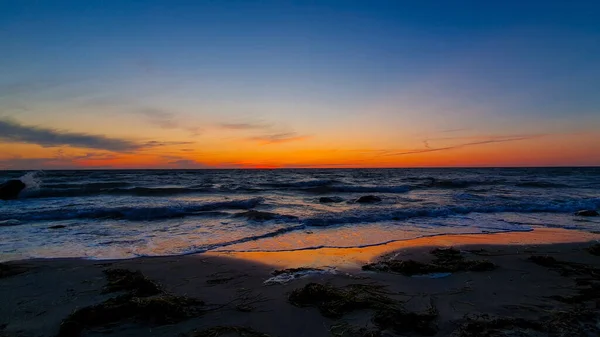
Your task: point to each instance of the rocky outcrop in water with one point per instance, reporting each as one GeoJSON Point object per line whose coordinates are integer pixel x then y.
{"type": "Point", "coordinates": [587, 212]}
{"type": "Point", "coordinates": [11, 189]}
{"type": "Point", "coordinates": [326, 200]}
{"type": "Point", "coordinates": [366, 199]}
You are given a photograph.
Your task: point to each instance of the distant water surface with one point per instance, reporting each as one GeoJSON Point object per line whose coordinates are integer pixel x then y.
{"type": "Point", "coordinates": [121, 214]}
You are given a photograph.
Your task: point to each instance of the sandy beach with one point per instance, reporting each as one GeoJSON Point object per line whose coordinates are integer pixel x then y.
{"type": "Point", "coordinates": [538, 283]}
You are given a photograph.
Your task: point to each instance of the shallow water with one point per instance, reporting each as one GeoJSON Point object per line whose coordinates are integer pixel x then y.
{"type": "Point", "coordinates": [120, 214]}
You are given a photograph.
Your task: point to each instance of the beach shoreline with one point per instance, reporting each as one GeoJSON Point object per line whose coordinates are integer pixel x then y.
{"type": "Point", "coordinates": [233, 289]}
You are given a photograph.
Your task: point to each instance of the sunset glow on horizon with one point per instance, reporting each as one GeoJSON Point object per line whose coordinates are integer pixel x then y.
{"type": "Point", "coordinates": [277, 84]}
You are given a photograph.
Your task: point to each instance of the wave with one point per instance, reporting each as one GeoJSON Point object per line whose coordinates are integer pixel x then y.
{"type": "Point", "coordinates": [68, 190]}
{"type": "Point", "coordinates": [134, 213]}
{"type": "Point", "coordinates": [358, 189]}
{"type": "Point", "coordinates": [394, 214]}
{"type": "Point", "coordinates": [541, 184]}
{"type": "Point", "coordinates": [301, 184]}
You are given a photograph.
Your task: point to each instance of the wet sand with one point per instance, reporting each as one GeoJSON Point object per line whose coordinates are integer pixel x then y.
{"type": "Point", "coordinates": [554, 293]}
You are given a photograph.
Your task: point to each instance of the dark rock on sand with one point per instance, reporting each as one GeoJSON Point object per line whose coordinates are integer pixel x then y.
{"type": "Point", "coordinates": [365, 199]}
{"type": "Point", "coordinates": [587, 212]}
{"type": "Point", "coordinates": [325, 200]}
{"type": "Point", "coordinates": [262, 216]}
{"type": "Point", "coordinates": [7, 270]}
{"type": "Point", "coordinates": [11, 189]}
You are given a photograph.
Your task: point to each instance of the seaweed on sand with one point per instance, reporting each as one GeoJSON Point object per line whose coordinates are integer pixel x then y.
{"type": "Point", "coordinates": [347, 330]}
{"type": "Point", "coordinates": [578, 322]}
{"type": "Point", "coordinates": [157, 310]}
{"type": "Point", "coordinates": [446, 260]}
{"type": "Point", "coordinates": [335, 302]}
{"type": "Point", "coordinates": [227, 330]}
{"type": "Point", "coordinates": [388, 313]}
{"type": "Point", "coordinates": [565, 268]}
{"type": "Point", "coordinates": [294, 270]}
{"type": "Point", "coordinates": [595, 249]}
{"type": "Point", "coordinates": [587, 281]}
{"type": "Point", "coordinates": [144, 302]}
{"type": "Point", "coordinates": [133, 282]}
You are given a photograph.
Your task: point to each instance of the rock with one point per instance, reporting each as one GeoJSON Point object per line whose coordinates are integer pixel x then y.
{"type": "Point", "coordinates": [587, 212]}
{"type": "Point", "coordinates": [57, 227]}
{"type": "Point", "coordinates": [263, 216]}
{"type": "Point", "coordinates": [11, 189]}
{"type": "Point", "coordinates": [326, 200]}
{"type": "Point", "coordinates": [365, 199]}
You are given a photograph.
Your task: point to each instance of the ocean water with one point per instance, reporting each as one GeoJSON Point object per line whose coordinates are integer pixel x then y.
{"type": "Point", "coordinates": [122, 214]}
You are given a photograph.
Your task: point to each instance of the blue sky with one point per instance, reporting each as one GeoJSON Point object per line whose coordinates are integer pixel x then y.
{"type": "Point", "coordinates": [308, 69]}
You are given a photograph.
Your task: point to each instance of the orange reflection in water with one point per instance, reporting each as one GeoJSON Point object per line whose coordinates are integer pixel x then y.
{"type": "Point", "coordinates": [352, 258]}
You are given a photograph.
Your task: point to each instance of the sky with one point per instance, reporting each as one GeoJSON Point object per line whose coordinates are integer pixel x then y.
{"type": "Point", "coordinates": [281, 84]}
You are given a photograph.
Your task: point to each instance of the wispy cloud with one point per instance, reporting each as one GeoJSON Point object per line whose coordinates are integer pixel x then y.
{"type": "Point", "coordinates": [156, 143]}
{"type": "Point", "coordinates": [278, 138]}
{"type": "Point", "coordinates": [166, 120]}
{"type": "Point", "coordinates": [482, 141]}
{"type": "Point", "coordinates": [187, 163]}
{"type": "Point", "coordinates": [244, 126]}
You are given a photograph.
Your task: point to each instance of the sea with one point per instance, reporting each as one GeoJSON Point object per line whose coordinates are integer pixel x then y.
{"type": "Point", "coordinates": [115, 214]}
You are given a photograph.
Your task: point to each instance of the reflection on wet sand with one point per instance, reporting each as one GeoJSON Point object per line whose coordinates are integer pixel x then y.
{"type": "Point", "coordinates": [353, 258]}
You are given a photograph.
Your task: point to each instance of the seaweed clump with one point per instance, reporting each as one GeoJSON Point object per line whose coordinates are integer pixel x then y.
{"type": "Point", "coordinates": [228, 331]}
{"type": "Point", "coordinates": [577, 322]}
{"type": "Point", "coordinates": [158, 310]}
{"type": "Point", "coordinates": [448, 260]}
{"type": "Point", "coordinates": [133, 282]}
{"type": "Point", "coordinates": [144, 302]}
{"type": "Point", "coordinates": [294, 270]}
{"type": "Point", "coordinates": [587, 278]}
{"type": "Point", "coordinates": [7, 270]}
{"type": "Point", "coordinates": [347, 330]}
{"type": "Point", "coordinates": [388, 313]}
{"type": "Point", "coordinates": [595, 249]}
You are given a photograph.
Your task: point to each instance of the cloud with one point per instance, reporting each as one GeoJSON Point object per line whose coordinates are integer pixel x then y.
{"type": "Point", "coordinates": [278, 138]}
{"type": "Point", "coordinates": [165, 120]}
{"type": "Point", "coordinates": [187, 163]}
{"type": "Point", "coordinates": [156, 143]}
{"type": "Point", "coordinates": [12, 131]}
{"type": "Point", "coordinates": [483, 141]}
{"type": "Point", "coordinates": [244, 126]}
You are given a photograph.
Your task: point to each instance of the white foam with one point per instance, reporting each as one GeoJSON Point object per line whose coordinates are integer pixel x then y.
{"type": "Point", "coordinates": [32, 180]}
{"type": "Point", "coordinates": [287, 277]}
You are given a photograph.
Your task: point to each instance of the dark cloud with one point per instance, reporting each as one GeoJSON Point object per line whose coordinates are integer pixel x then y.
{"type": "Point", "coordinates": [278, 138]}
{"type": "Point", "coordinates": [155, 143]}
{"type": "Point", "coordinates": [12, 131]}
